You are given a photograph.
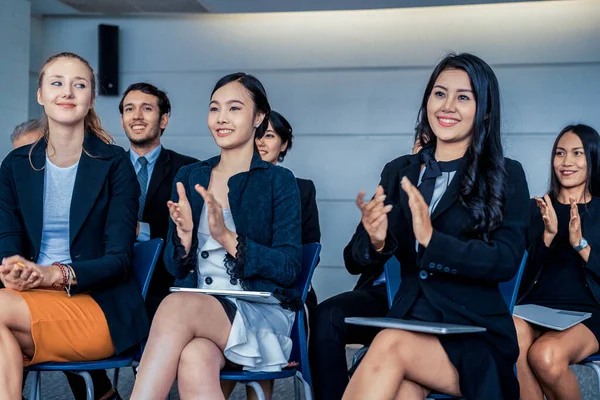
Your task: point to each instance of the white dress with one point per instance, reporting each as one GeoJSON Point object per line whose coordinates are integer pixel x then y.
{"type": "Point", "coordinates": [260, 333]}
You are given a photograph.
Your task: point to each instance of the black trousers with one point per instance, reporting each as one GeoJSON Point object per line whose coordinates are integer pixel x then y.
{"type": "Point", "coordinates": [329, 336]}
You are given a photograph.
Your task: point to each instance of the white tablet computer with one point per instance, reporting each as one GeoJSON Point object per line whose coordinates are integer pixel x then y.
{"type": "Point", "coordinates": [435, 328]}
{"type": "Point", "coordinates": [551, 318]}
{"type": "Point", "coordinates": [256, 297]}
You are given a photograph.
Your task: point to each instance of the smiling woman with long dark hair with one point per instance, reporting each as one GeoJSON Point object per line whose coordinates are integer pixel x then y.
{"type": "Point", "coordinates": [563, 269]}
{"type": "Point", "coordinates": [454, 215]}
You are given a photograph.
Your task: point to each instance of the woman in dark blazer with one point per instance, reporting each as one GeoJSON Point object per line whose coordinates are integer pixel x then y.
{"type": "Point", "coordinates": [457, 235]}
{"type": "Point", "coordinates": [563, 268]}
{"type": "Point", "coordinates": [68, 206]}
{"type": "Point", "coordinates": [235, 225]}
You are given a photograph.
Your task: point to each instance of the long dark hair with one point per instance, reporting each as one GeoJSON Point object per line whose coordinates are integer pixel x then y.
{"type": "Point", "coordinates": [257, 93]}
{"type": "Point", "coordinates": [591, 145]}
{"type": "Point", "coordinates": [282, 127]}
{"type": "Point", "coordinates": [483, 186]}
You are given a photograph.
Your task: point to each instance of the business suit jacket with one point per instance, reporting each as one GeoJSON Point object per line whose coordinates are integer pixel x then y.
{"type": "Point", "coordinates": [311, 230]}
{"type": "Point", "coordinates": [156, 213]}
{"type": "Point", "coordinates": [538, 251]}
{"type": "Point", "coordinates": [458, 272]}
{"type": "Point", "coordinates": [101, 228]}
{"type": "Point", "coordinates": [265, 205]}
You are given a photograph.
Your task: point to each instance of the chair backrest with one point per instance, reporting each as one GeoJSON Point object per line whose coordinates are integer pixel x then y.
{"type": "Point", "coordinates": [508, 289]}
{"type": "Point", "coordinates": [392, 278]}
{"type": "Point", "coordinates": [310, 258]}
{"type": "Point", "coordinates": [145, 256]}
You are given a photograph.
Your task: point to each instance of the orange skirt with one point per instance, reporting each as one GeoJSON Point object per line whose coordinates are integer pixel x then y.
{"type": "Point", "coordinates": [66, 328]}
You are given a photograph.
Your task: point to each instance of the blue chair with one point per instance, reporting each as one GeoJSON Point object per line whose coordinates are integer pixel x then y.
{"type": "Point", "coordinates": [509, 290]}
{"type": "Point", "coordinates": [310, 257]}
{"type": "Point", "coordinates": [145, 256]}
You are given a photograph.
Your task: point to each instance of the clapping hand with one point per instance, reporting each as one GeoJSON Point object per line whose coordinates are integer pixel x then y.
{"type": "Point", "coordinates": [549, 218]}
{"type": "Point", "coordinates": [374, 217]}
{"type": "Point", "coordinates": [181, 212]}
{"type": "Point", "coordinates": [575, 234]}
{"type": "Point", "coordinates": [419, 209]}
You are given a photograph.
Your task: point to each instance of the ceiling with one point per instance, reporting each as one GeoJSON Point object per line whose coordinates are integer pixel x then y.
{"type": "Point", "coordinates": [115, 7]}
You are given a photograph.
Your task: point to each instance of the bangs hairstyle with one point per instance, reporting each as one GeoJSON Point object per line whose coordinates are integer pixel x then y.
{"type": "Point", "coordinates": [162, 100]}
{"type": "Point", "coordinates": [283, 129]}
{"type": "Point", "coordinates": [483, 185]}
{"type": "Point", "coordinates": [257, 92]}
{"type": "Point", "coordinates": [591, 147]}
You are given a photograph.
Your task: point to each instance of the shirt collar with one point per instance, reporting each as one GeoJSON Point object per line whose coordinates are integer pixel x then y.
{"type": "Point", "coordinates": [151, 156]}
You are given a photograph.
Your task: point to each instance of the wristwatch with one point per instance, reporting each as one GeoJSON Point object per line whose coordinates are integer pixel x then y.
{"type": "Point", "coordinates": [582, 245]}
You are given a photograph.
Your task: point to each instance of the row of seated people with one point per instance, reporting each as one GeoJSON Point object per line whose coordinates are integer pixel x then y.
{"type": "Point", "coordinates": [456, 214]}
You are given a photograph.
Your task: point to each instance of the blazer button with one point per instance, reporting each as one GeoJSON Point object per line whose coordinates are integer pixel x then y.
{"type": "Point", "coordinates": [204, 254]}
{"type": "Point", "coordinates": [423, 274]}
{"type": "Point", "coordinates": [432, 265]}
{"type": "Point", "coordinates": [440, 266]}
{"type": "Point", "coordinates": [208, 280]}
{"type": "Point", "coordinates": [446, 269]}
{"type": "Point", "coordinates": [453, 271]}
{"type": "Point", "coordinates": [233, 281]}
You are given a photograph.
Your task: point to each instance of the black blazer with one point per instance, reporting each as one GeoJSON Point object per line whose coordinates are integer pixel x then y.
{"type": "Point", "coordinates": [156, 214]}
{"type": "Point", "coordinates": [458, 272]}
{"type": "Point", "coordinates": [101, 230]}
{"type": "Point", "coordinates": [456, 263]}
{"type": "Point", "coordinates": [311, 230]}
{"type": "Point", "coordinates": [590, 223]}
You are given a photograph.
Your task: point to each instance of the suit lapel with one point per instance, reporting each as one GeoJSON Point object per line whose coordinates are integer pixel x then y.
{"type": "Point", "coordinates": [30, 183]}
{"type": "Point", "coordinates": [91, 175]}
{"type": "Point", "coordinates": [411, 171]}
{"type": "Point", "coordinates": [449, 197]}
{"type": "Point", "coordinates": [162, 168]}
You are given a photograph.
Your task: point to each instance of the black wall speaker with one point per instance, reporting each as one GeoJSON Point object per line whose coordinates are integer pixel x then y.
{"type": "Point", "coordinates": [108, 60]}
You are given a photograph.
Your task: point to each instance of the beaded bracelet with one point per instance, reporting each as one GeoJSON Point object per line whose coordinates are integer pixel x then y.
{"type": "Point", "coordinates": [65, 277]}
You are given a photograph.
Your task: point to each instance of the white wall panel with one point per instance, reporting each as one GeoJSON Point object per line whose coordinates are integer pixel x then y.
{"type": "Point", "coordinates": [351, 84]}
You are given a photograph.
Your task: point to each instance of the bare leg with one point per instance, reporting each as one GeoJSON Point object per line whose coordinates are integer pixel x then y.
{"type": "Point", "coordinates": [199, 367]}
{"type": "Point", "coordinates": [530, 388]}
{"type": "Point", "coordinates": [396, 356]}
{"type": "Point", "coordinates": [15, 340]}
{"type": "Point", "coordinates": [409, 390]}
{"type": "Point", "coordinates": [551, 355]}
{"type": "Point", "coordinates": [267, 387]}
{"type": "Point", "coordinates": [180, 318]}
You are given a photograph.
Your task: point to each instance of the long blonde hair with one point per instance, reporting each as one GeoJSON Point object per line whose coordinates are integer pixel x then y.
{"type": "Point", "coordinates": [91, 122]}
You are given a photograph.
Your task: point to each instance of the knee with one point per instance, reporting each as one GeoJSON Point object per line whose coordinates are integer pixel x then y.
{"type": "Point", "coordinates": [174, 307]}
{"type": "Point", "coordinates": [200, 353]}
{"type": "Point", "coordinates": [548, 360]}
{"type": "Point", "coordinates": [525, 335]}
{"type": "Point", "coordinates": [10, 307]}
{"type": "Point", "coordinates": [392, 344]}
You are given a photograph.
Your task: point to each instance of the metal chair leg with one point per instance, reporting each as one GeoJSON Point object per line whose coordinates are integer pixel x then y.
{"type": "Point", "coordinates": [89, 384]}
{"type": "Point", "coordinates": [296, 388]}
{"type": "Point", "coordinates": [257, 389]}
{"type": "Point", "coordinates": [35, 380]}
{"type": "Point", "coordinates": [116, 378]}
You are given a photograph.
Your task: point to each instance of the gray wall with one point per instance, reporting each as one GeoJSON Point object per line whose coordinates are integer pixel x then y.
{"type": "Point", "coordinates": [14, 64]}
{"type": "Point", "coordinates": [351, 82]}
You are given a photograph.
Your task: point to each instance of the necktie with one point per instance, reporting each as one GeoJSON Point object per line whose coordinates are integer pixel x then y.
{"type": "Point", "coordinates": [434, 169]}
{"type": "Point", "coordinates": [142, 177]}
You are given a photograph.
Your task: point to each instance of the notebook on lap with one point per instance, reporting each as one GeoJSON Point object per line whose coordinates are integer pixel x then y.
{"type": "Point", "coordinates": [550, 318]}
{"type": "Point", "coordinates": [435, 328]}
{"type": "Point", "coordinates": [256, 297]}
